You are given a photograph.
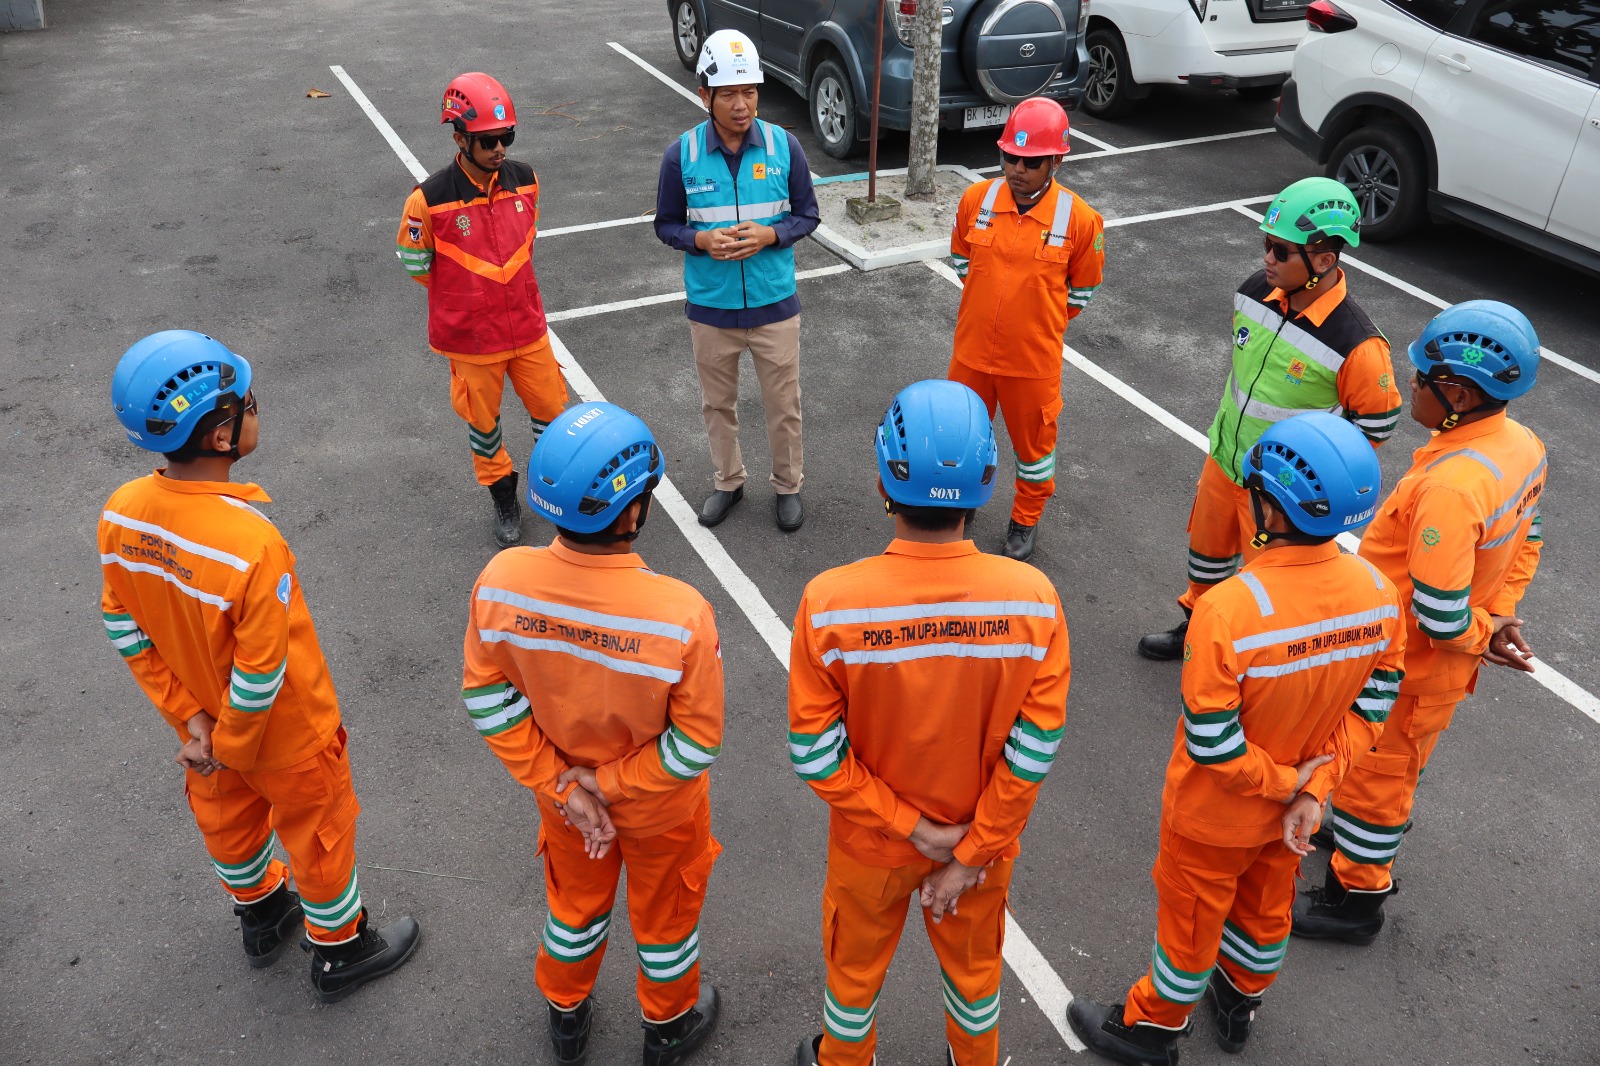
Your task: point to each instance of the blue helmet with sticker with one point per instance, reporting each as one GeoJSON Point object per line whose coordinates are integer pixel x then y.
{"type": "Point", "coordinates": [1320, 471]}
{"type": "Point", "coordinates": [1486, 342]}
{"type": "Point", "coordinates": [168, 381]}
{"type": "Point", "coordinates": [593, 460]}
{"type": "Point", "coordinates": [936, 447]}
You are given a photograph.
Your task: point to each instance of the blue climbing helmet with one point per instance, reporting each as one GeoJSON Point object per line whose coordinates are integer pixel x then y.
{"type": "Point", "coordinates": [936, 447]}
{"type": "Point", "coordinates": [166, 383]}
{"type": "Point", "coordinates": [1489, 343]}
{"type": "Point", "coordinates": [594, 460]}
{"type": "Point", "coordinates": [1320, 471]}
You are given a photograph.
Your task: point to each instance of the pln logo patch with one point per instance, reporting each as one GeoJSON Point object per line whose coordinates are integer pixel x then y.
{"type": "Point", "coordinates": [619, 482]}
{"type": "Point", "coordinates": [759, 172]}
{"type": "Point", "coordinates": [736, 47]}
{"type": "Point", "coordinates": [285, 583]}
{"type": "Point", "coordinates": [180, 404]}
{"type": "Point", "coordinates": [1241, 338]}
{"type": "Point", "coordinates": [1021, 138]}
{"type": "Point", "coordinates": [1272, 216]}
{"type": "Point", "coordinates": [1297, 371]}
{"type": "Point", "coordinates": [500, 111]}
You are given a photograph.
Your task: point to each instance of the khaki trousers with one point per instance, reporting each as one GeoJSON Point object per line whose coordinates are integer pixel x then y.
{"type": "Point", "coordinates": [775, 349]}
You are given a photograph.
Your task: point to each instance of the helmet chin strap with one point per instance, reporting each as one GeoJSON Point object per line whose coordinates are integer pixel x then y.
{"type": "Point", "coordinates": [1263, 536]}
{"type": "Point", "coordinates": [1452, 417]}
{"type": "Point", "coordinates": [1315, 279]}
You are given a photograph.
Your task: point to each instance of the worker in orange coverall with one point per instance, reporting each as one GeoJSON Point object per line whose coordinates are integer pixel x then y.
{"type": "Point", "coordinates": [1031, 253]}
{"type": "Point", "coordinates": [927, 698]}
{"type": "Point", "coordinates": [202, 601]}
{"type": "Point", "coordinates": [1291, 669]}
{"type": "Point", "coordinates": [599, 684]}
{"type": "Point", "coordinates": [1461, 538]}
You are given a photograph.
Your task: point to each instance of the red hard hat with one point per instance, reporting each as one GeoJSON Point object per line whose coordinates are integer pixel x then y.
{"type": "Point", "coordinates": [1036, 127]}
{"type": "Point", "coordinates": [478, 102]}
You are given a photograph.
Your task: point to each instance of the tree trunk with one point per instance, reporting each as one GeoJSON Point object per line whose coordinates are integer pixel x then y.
{"type": "Point", "coordinates": [925, 34]}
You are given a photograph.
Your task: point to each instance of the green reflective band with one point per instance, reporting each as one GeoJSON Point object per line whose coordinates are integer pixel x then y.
{"type": "Point", "coordinates": [125, 634]}
{"type": "Point", "coordinates": [683, 757]}
{"type": "Point", "coordinates": [962, 265]}
{"type": "Point", "coordinates": [668, 962]}
{"type": "Point", "coordinates": [255, 692]}
{"type": "Point", "coordinates": [1080, 297]}
{"type": "Point", "coordinates": [1038, 470]}
{"type": "Point", "coordinates": [1536, 530]}
{"type": "Point", "coordinates": [539, 426]}
{"type": "Point", "coordinates": [818, 755]}
{"type": "Point", "coordinates": [1207, 570]}
{"type": "Point", "coordinates": [1365, 842]}
{"type": "Point", "coordinates": [1175, 985]}
{"type": "Point", "coordinates": [1441, 613]}
{"type": "Point", "coordinates": [1238, 946]}
{"type": "Point", "coordinates": [1029, 750]}
{"type": "Point", "coordinates": [1213, 737]}
{"type": "Point", "coordinates": [1377, 697]}
{"type": "Point", "coordinates": [1377, 427]}
{"type": "Point", "coordinates": [336, 912]}
{"type": "Point", "coordinates": [973, 1017]}
{"type": "Point", "coordinates": [849, 1024]}
{"type": "Point", "coordinates": [248, 874]}
{"type": "Point", "coordinates": [574, 943]}
{"type": "Point", "coordinates": [495, 708]}
{"type": "Point", "coordinates": [487, 444]}
{"type": "Point", "coordinates": [417, 261]}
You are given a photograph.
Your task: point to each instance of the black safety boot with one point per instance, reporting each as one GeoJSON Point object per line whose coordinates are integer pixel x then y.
{"type": "Point", "coordinates": [809, 1051]}
{"type": "Point", "coordinates": [1020, 540]}
{"type": "Point", "coordinates": [1141, 1044]}
{"type": "Point", "coordinates": [267, 924]}
{"type": "Point", "coordinates": [1233, 1012]}
{"type": "Point", "coordinates": [716, 506]}
{"type": "Point", "coordinates": [339, 969]}
{"type": "Point", "coordinates": [1334, 912]}
{"type": "Point", "coordinates": [569, 1032]}
{"type": "Point", "coordinates": [1165, 647]}
{"type": "Point", "coordinates": [507, 511]}
{"type": "Point", "coordinates": [669, 1043]}
{"type": "Point", "coordinates": [791, 514]}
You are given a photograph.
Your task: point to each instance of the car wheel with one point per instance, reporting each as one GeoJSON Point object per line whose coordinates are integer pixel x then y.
{"type": "Point", "coordinates": [1382, 166]}
{"type": "Point", "coordinates": [686, 35]}
{"type": "Point", "coordinates": [1109, 91]}
{"type": "Point", "coordinates": [833, 109]}
{"type": "Point", "coordinates": [1260, 92]}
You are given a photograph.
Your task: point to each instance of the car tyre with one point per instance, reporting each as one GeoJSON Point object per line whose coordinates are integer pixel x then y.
{"type": "Point", "coordinates": [833, 109]}
{"type": "Point", "coordinates": [1109, 93]}
{"type": "Point", "coordinates": [687, 33]}
{"type": "Point", "coordinates": [1260, 92]}
{"type": "Point", "coordinates": [1382, 165]}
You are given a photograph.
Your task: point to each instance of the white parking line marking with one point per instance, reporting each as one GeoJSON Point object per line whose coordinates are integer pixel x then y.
{"type": "Point", "coordinates": [670, 297]}
{"type": "Point", "coordinates": [1429, 298]}
{"type": "Point", "coordinates": [1041, 981]}
{"type": "Point", "coordinates": [1182, 212]}
{"type": "Point", "coordinates": [632, 220]}
{"type": "Point", "coordinates": [1105, 147]}
{"type": "Point", "coordinates": [1574, 694]}
{"type": "Point", "coordinates": [1156, 147]}
{"type": "Point", "coordinates": [742, 591]}
{"type": "Point", "coordinates": [656, 74]}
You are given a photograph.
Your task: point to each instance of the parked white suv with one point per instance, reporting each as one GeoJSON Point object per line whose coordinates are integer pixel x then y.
{"type": "Point", "coordinates": [1214, 44]}
{"type": "Point", "coordinates": [1484, 112]}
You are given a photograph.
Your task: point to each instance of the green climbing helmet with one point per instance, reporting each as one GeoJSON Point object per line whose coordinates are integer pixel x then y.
{"type": "Point", "coordinates": [1311, 210]}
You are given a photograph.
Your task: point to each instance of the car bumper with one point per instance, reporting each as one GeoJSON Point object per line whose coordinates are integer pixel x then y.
{"type": "Point", "coordinates": [1293, 128]}
{"type": "Point", "coordinates": [1217, 80]}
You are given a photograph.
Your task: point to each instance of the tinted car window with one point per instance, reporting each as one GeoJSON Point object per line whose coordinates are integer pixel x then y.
{"type": "Point", "coordinates": [1564, 34]}
{"type": "Point", "coordinates": [1436, 13]}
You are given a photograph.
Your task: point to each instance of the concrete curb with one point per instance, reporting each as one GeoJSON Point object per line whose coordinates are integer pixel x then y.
{"type": "Point", "coordinates": [874, 259]}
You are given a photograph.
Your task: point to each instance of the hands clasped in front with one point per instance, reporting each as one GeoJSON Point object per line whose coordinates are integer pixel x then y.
{"type": "Point", "coordinates": [736, 242]}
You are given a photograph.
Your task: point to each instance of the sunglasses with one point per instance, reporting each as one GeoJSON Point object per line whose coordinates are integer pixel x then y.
{"type": "Point", "coordinates": [494, 140]}
{"type": "Point", "coordinates": [1032, 162]}
{"type": "Point", "coordinates": [1280, 251]}
{"type": "Point", "coordinates": [249, 408]}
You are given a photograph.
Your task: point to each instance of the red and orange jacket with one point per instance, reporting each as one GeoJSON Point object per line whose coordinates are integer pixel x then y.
{"type": "Point", "coordinates": [201, 599]}
{"type": "Point", "coordinates": [911, 696]}
{"type": "Point", "coordinates": [1297, 656]}
{"type": "Point", "coordinates": [594, 660]}
{"type": "Point", "coordinates": [472, 246]}
{"type": "Point", "coordinates": [1460, 536]}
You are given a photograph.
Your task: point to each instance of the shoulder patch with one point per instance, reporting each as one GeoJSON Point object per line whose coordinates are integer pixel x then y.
{"type": "Point", "coordinates": [285, 583]}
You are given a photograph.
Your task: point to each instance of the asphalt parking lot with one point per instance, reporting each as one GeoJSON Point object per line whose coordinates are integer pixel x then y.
{"type": "Point", "coordinates": [165, 168]}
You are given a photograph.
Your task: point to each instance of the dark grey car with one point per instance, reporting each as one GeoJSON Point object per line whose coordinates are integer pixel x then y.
{"type": "Point", "coordinates": [996, 53]}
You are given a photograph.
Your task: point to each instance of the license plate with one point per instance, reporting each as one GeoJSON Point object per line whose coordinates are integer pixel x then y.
{"type": "Point", "coordinates": [988, 115]}
{"type": "Point", "coordinates": [1282, 5]}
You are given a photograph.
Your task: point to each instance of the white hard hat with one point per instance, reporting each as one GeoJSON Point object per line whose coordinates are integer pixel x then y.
{"type": "Point", "coordinates": [729, 58]}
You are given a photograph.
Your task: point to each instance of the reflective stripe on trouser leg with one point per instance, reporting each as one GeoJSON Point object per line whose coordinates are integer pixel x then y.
{"type": "Point", "coordinates": [1239, 951]}
{"type": "Point", "coordinates": [851, 1025]}
{"type": "Point", "coordinates": [667, 878]}
{"type": "Point", "coordinates": [1220, 527]}
{"type": "Point", "coordinates": [537, 381]}
{"type": "Point", "coordinates": [475, 391]}
{"type": "Point", "coordinates": [668, 962]}
{"type": "Point", "coordinates": [234, 819]}
{"type": "Point", "coordinates": [580, 893]}
{"type": "Point", "coordinates": [575, 943]}
{"type": "Point", "coordinates": [332, 921]}
{"type": "Point", "coordinates": [863, 912]}
{"type": "Point", "coordinates": [1255, 936]}
{"type": "Point", "coordinates": [1031, 408]}
{"type": "Point", "coordinates": [1373, 802]}
{"type": "Point", "coordinates": [253, 878]}
{"type": "Point", "coordinates": [967, 944]}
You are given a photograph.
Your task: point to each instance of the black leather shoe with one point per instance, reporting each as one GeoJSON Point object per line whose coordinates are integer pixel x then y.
{"type": "Point", "coordinates": [1233, 1011]}
{"type": "Point", "coordinates": [1142, 1044]}
{"type": "Point", "coordinates": [718, 504]}
{"type": "Point", "coordinates": [790, 514]}
{"type": "Point", "coordinates": [1020, 540]}
{"type": "Point", "coordinates": [569, 1032]}
{"type": "Point", "coordinates": [339, 969]}
{"type": "Point", "coordinates": [809, 1051]}
{"type": "Point", "coordinates": [669, 1043]}
{"type": "Point", "coordinates": [507, 511]}
{"type": "Point", "coordinates": [1165, 647]}
{"type": "Point", "coordinates": [268, 923]}
{"type": "Point", "coordinates": [1334, 912]}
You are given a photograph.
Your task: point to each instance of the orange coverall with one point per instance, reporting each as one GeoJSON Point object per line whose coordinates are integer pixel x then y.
{"type": "Point", "coordinates": [1461, 536]}
{"type": "Point", "coordinates": [911, 696]}
{"type": "Point", "coordinates": [1221, 523]}
{"type": "Point", "coordinates": [593, 660]}
{"type": "Point", "coordinates": [1027, 276]}
{"type": "Point", "coordinates": [477, 380]}
{"type": "Point", "coordinates": [202, 601]}
{"type": "Point", "coordinates": [1297, 656]}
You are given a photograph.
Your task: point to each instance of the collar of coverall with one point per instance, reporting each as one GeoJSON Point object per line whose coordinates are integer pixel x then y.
{"type": "Point", "coordinates": [1296, 554]}
{"type": "Point", "coordinates": [630, 560]}
{"type": "Point", "coordinates": [1006, 202]}
{"type": "Point", "coordinates": [947, 550]}
{"type": "Point", "coordinates": [1322, 306]}
{"type": "Point", "coordinates": [1452, 438]}
{"type": "Point", "coordinates": [239, 490]}
{"type": "Point", "coordinates": [483, 187]}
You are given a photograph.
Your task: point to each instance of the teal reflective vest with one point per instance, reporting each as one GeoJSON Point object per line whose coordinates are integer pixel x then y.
{"type": "Point", "coordinates": [1281, 367]}
{"type": "Point", "coordinates": [717, 199]}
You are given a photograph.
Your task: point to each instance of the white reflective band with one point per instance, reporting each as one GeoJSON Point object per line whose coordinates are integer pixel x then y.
{"type": "Point", "coordinates": [1516, 497]}
{"type": "Point", "coordinates": [767, 128]}
{"type": "Point", "coordinates": [132, 638]}
{"type": "Point", "coordinates": [495, 721]}
{"type": "Point", "coordinates": [1470, 453]}
{"type": "Point", "coordinates": [1268, 412]}
{"type": "Point", "coordinates": [948, 609]}
{"type": "Point", "coordinates": [1309, 346]}
{"type": "Point", "coordinates": [1337, 655]}
{"type": "Point", "coordinates": [205, 552]}
{"type": "Point", "coordinates": [1058, 225]}
{"type": "Point", "coordinates": [561, 647]}
{"type": "Point", "coordinates": [246, 507]}
{"type": "Point", "coordinates": [1259, 591]}
{"type": "Point", "coordinates": [1311, 629]}
{"type": "Point", "coordinates": [937, 651]}
{"type": "Point", "coordinates": [740, 212]}
{"type": "Point", "coordinates": [146, 568]}
{"type": "Point", "coordinates": [1418, 596]}
{"type": "Point", "coordinates": [1377, 578]}
{"type": "Point", "coordinates": [623, 623]}
{"type": "Point", "coordinates": [986, 209]}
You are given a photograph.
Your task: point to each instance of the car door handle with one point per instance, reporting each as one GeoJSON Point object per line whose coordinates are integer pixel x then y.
{"type": "Point", "coordinates": [1454, 64]}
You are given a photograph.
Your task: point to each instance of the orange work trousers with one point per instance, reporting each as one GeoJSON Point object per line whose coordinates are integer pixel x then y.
{"type": "Point", "coordinates": [863, 913]}
{"type": "Point", "coordinates": [1215, 906]}
{"type": "Point", "coordinates": [475, 391]}
{"type": "Point", "coordinates": [1221, 526]}
{"type": "Point", "coordinates": [1373, 803]}
{"type": "Point", "coordinates": [1030, 407]}
{"type": "Point", "coordinates": [311, 809]}
{"type": "Point", "coordinates": [667, 875]}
